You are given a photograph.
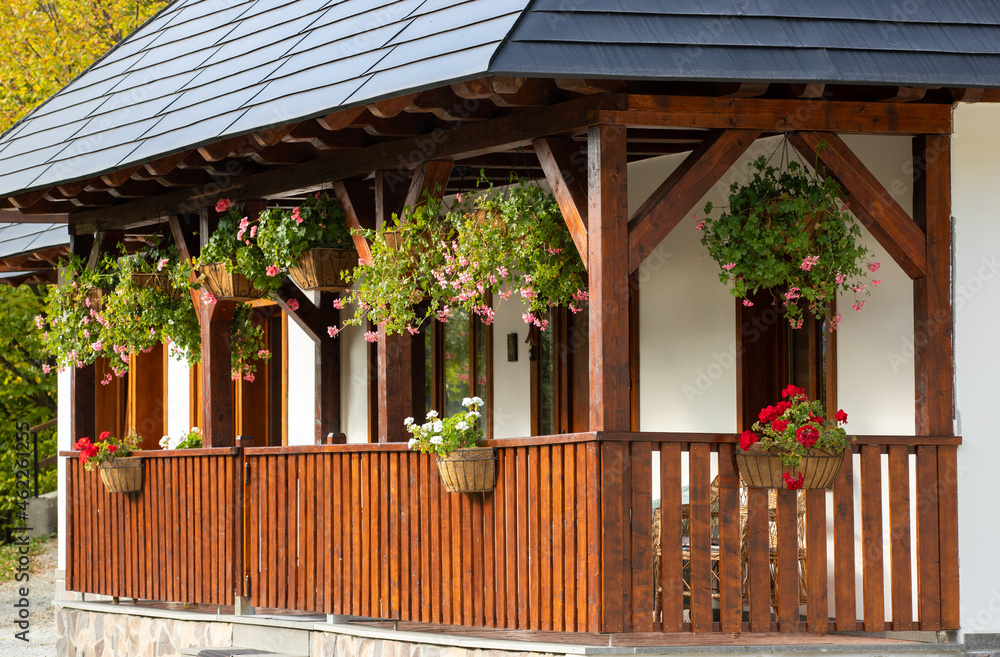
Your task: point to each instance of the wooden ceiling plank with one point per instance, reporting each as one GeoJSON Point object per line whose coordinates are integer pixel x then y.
{"type": "Point", "coordinates": [688, 184]}
{"type": "Point", "coordinates": [870, 202]}
{"type": "Point", "coordinates": [565, 170]}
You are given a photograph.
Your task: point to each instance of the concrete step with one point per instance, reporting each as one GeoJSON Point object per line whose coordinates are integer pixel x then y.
{"type": "Point", "coordinates": [234, 652]}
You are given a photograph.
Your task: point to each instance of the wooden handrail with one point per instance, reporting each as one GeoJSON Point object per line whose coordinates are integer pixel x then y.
{"type": "Point", "coordinates": [170, 453]}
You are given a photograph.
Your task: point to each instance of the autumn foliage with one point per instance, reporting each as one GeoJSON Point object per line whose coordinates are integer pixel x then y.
{"type": "Point", "coordinates": [44, 45]}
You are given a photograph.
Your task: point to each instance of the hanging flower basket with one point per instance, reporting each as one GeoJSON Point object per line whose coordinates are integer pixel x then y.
{"type": "Point", "coordinates": [158, 281]}
{"type": "Point", "coordinates": [324, 269]}
{"type": "Point", "coordinates": [226, 286]}
{"type": "Point", "coordinates": [123, 475]}
{"type": "Point", "coordinates": [763, 468]}
{"type": "Point", "coordinates": [468, 470]}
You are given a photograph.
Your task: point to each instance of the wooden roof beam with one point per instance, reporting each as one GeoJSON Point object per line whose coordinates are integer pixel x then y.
{"type": "Point", "coordinates": [446, 105]}
{"type": "Point", "coordinates": [390, 107]}
{"type": "Point", "coordinates": [320, 138]}
{"type": "Point", "coordinates": [905, 95]}
{"type": "Point", "coordinates": [358, 203]}
{"type": "Point", "coordinates": [272, 136]}
{"type": "Point", "coordinates": [966, 94]}
{"type": "Point", "coordinates": [430, 179]}
{"type": "Point", "coordinates": [688, 184]}
{"type": "Point", "coordinates": [870, 202]}
{"type": "Point", "coordinates": [749, 90]}
{"type": "Point", "coordinates": [120, 177]}
{"type": "Point", "coordinates": [165, 165]}
{"type": "Point", "coordinates": [28, 199]}
{"type": "Point", "coordinates": [590, 87]}
{"type": "Point", "coordinates": [340, 120]}
{"type": "Point", "coordinates": [812, 90]}
{"type": "Point", "coordinates": [565, 170]}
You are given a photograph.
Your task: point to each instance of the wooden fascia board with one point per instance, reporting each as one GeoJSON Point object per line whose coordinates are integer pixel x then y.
{"type": "Point", "coordinates": [870, 202]}
{"type": "Point", "coordinates": [506, 132]}
{"type": "Point", "coordinates": [780, 115]}
{"type": "Point", "coordinates": [678, 194]}
{"type": "Point", "coordinates": [568, 182]}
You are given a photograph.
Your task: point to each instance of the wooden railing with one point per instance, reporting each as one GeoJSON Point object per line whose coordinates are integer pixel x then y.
{"type": "Point", "coordinates": [368, 530]}
{"type": "Point", "coordinates": [565, 542]}
{"type": "Point", "coordinates": [177, 539]}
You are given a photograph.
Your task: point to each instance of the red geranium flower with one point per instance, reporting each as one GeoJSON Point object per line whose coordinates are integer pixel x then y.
{"type": "Point", "coordinates": [807, 435]}
{"type": "Point", "coordinates": [768, 414]}
{"type": "Point", "coordinates": [104, 435]}
{"type": "Point", "coordinates": [792, 484]}
{"type": "Point", "coordinates": [841, 416]}
{"type": "Point", "coordinates": [81, 444]}
{"type": "Point", "coordinates": [779, 425]}
{"type": "Point", "coordinates": [747, 438]}
{"type": "Point", "coordinates": [793, 391]}
{"type": "Point", "coordinates": [818, 419]}
{"type": "Point", "coordinates": [112, 449]}
{"type": "Point", "coordinates": [782, 406]}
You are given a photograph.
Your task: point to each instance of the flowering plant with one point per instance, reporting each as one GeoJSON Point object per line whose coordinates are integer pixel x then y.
{"type": "Point", "coordinates": [137, 315]}
{"type": "Point", "coordinates": [284, 235]}
{"type": "Point", "coordinates": [789, 232]}
{"type": "Point", "coordinates": [443, 436]}
{"type": "Point", "coordinates": [404, 253]}
{"type": "Point", "coordinates": [107, 448]}
{"type": "Point", "coordinates": [234, 243]}
{"type": "Point", "coordinates": [72, 325]}
{"type": "Point", "coordinates": [514, 242]}
{"type": "Point", "coordinates": [190, 439]}
{"type": "Point", "coordinates": [793, 427]}
{"type": "Point", "coordinates": [485, 248]}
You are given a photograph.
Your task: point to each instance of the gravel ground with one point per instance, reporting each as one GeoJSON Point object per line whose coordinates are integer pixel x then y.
{"type": "Point", "coordinates": [42, 631]}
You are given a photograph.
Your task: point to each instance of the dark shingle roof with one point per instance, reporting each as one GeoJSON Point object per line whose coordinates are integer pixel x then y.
{"type": "Point", "coordinates": [203, 70]}
{"type": "Point", "coordinates": [19, 239]}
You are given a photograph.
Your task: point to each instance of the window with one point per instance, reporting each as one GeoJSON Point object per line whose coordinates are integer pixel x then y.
{"type": "Point", "coordinates": [458, 358]}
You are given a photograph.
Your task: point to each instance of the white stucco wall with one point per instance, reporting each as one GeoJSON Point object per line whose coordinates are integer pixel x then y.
{"type": "Point", "coordinates": [353, 382]}
{"type": "Point", "coordinates": [178, 397]}
{"type": "Point", "coordinates": [511, 381]}
{"type": "Point", "coordinates": [301, 387]}
{"type": "Point", "coordinates": [976, 209]}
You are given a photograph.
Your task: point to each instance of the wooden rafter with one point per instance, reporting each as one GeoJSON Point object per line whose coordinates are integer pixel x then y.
{"type": "Point", "coordinates": [673, 200]}
{"type": "Point", "coordinates": [505, 132]}
{"type": "Point", "coordinates": [386, 109]}
{"type": "Point", "coordinates": [566, 172]}
{"type": "Point", "coordinates": [307, 315]}
{"type": "Point", "coordinates": [429, 179]}
{"type": "Point", "coordinates": [871, 203]}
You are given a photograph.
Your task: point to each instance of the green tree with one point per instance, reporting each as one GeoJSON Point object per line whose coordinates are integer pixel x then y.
{"type": "Point", "coordinates": [44, 45]}
{"type": "Point", "coordinates": [27, 392]}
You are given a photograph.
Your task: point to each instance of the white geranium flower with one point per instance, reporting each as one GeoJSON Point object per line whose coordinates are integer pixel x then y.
{"type": "Point", "coordinates": [472, 415]}
{"type": "Point", "coordinates": [467, 402]}
{"type": "Point", "coordinates": [477, 401]}
{"type": "Point", "coordinates": [165, 442]}
{"type": "Point", "coordinates": [410, 443]}
{"type": "Point", "coordinates": [431, 414]}
{"type": "Point", "coordinates": [462, 426]}
{"type": "Point", "coordinates": [436, 440]}
{"type": "Point", "coordinates": [439, 426]}
{"type": "Point", "coordinates": [408, 421]}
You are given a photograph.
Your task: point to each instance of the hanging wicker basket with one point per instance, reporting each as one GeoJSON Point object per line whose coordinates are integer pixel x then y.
{"type": "Point", "coordinates": [324, 269]}
{"type": "Point", "coordinates": [122, 475]}
{"type": "Point", "coordinates": [226, 286]}
{"type": "Point", "coordinates": [158, 281]}
{"type": "Point", "coordinates": [760, 468]}
{"type": "Point", "coordinates": [468, 470]}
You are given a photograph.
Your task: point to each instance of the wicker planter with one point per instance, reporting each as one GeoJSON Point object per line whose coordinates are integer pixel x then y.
{"type": "Point", "coordinates": [324, 269]}
{"type": "Point", "coordinates": [226, 286]}
{"type": "Point", "coordinates": [122, 475]}
{"type": "Point", "coordinates": [763, 469]}
{"type": "Point", "coordinates": [158, 281]}
{"type": "Point", "coordinates": [468, 470]}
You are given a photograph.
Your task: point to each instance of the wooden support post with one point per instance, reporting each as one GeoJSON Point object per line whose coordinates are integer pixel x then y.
{"type": "Point", "coordinates": [327, 373]}
{"type": "Point", "coordinates": [396, 353]}
{"type": "Point", "coordinates": [216, 373]}
{"type": "Point", "coordinates": [82, 380]}
{"type": "Point", "coordinates": [937, 531]}
{"type": "Point", "coordinates": [607, 237]}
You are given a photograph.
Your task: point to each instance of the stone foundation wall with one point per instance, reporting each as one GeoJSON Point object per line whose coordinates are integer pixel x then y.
{"type": "Point", "coordinates": [328, 644]}
{"type": "Point", "coordinates": [89, 634]}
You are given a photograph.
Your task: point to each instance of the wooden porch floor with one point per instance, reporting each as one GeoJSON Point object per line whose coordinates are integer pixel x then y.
{"type": "Point", "coordinates": [838, 642]}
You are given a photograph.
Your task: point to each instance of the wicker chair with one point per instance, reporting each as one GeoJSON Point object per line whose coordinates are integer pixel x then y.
{"type": "Point", "coordinates": [744, 557]}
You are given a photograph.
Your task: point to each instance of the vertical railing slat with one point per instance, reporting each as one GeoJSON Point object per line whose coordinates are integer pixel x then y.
{"type": "Point", "coordinates": [871, 538]}
{"type": "Point", "coordinates": [928, 539]}
{"type": "Point", "coordinates": [787, 519]}
{"type": "Point", "coordinates": [700, 543]}
{"type": "Point", "coordinates": [899, 538]}
{"type": "Point", "coordinates": [947, 481]}
{"type": "Point", "coordinates": [730, 571]}
{"type": "Point", "coordinates": [845, 597]}
{"type": "Point", "coordinates": [641, 468]}
{"type": "Point", "coordinates": [671, 560]}
{"type": "Point", "coordinates": [817, 599]}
